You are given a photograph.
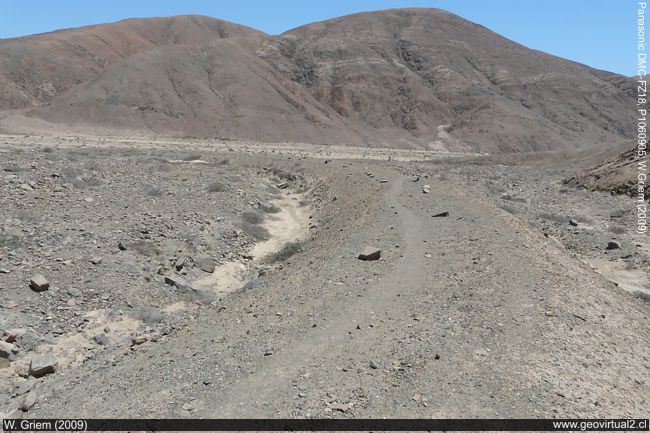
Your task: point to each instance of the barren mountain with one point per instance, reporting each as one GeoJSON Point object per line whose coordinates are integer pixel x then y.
{"type": "Point", "coordinates": [37, 68]}
{"type": "Point", "coordinates": [398, 78]}
{"type": "Point", "coordinates": [419, 69]}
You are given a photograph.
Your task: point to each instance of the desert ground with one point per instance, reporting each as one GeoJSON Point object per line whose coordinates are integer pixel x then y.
{"type": "Point", "coordinates": [144, 277]}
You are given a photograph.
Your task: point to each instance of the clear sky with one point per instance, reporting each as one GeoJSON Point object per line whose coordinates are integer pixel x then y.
{"type": "Point", "coordinates": [599, 33]}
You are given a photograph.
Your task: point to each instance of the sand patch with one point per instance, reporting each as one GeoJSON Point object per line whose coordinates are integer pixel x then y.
{"type": "Point", "coordinates": [631, 280]}
{"type": "Point", "coordinates": [288, 225]}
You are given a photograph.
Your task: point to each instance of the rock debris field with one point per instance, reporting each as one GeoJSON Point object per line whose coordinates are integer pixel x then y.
{"type": "Point", "coordinates": [276, 284]}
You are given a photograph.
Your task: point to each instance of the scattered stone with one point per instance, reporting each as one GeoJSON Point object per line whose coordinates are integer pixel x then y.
{"type": "Point", "coordinates": [38, 283]}
{"type": "Point", "coordinates": [29, 401]}
{"type": "Point", "coordinates": [188, 407]}
{"type": "Point", "coordinates": [613, 245]}
{"type": "Point", "coordinates": [11, 335]}
{"type": "Point", "coordinates": [573, 222]}
{"type": "Point", "coordinates": [441, 215]}
{"type": "Point", "coordinates": [24, 387]}
{"type": "Point", "coordinates": [207, 265]}
{"type": "Point", "coordinates": [268, 352]}
{"type": "Point", "coordinates": [268, 207]}
{"type": "Point", "coordinates": [102, 339]}
{"type": "Point", "coordinates": [369, 253]}
{"type": "Point", "coordinates": [178, 282]}
{"type": "Point", "coordinates": [42, 365]}
{"type": "Point", "coordinates": [139, 339]}
{"type": "Point", "coordinates": [341, 407]}
{"type": "Point", "coordinates": [426, 189]}
{"type": "Point", "coordinates": [96, 260]}
{"type": "Point", "coordinates": [373, 365]}
{"type": "Point", "coordinates": [74, 292]}
{"type": "Point", "coordinates": [4, 271]}
{"type": "Point", "coordinates": [283, 185]}
{"type": "Point", "coordinates": [7, 350]}
{"type": "Point", "coordinates": [383, 181]}
{"type": "Point", "coordinates": [122, 245]}
{"type": "Point", "coordinates": [182, 262]}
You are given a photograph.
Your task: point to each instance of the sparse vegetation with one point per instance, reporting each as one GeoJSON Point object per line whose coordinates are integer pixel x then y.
{"type": "Point", "coordinates": [269, 208]}
{"type": "Point", "coordinates": [216, 187]}
{"type": "Point", "coordinates": [192, 157]}
{"type": "Point", "coordinates": [154, 192]}
{"type": "Point", "coordinates": [255, 231]}
{"type": "Point", "coordinates": [617, 230]}
{"type": "Point", "coordinates": [285, 252]}
{"type": "Point", "coordinates": [510, 209]}
{"type": "Point", "coordinates": [252, 217]}
{"type": "Point", "coordinates": [553, 217]}
{"type": "Point", "coordinates": [148, 315]}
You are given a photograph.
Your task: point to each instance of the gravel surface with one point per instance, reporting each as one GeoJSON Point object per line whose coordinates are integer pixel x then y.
{"type": "Point", "coordinates": [481, 304]}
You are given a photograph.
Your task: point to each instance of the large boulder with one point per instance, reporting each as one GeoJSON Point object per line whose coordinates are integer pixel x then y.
{"type": "Point", "coordinates": [39, 283]}
{"type": "Point", "coordinates": [42, 365]}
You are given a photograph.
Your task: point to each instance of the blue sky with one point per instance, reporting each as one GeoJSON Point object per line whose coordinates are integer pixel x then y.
{"type": "Point", "coordinates": [599, 33]}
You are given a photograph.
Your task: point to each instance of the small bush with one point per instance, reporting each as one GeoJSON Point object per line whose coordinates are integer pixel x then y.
{"type": "Point", "coordinates": [269, 207]}
{"type": "Point", "coordinates": [642, 295]}
{"type": "Point", "coordinates": [514, 198]}
{"type": "Point", "coordinates": [192, 157]}
{"type": "Point", "coordinates": [509, 209]}
{"type": "Point", "coordinates": [251, 217]}
{"type": "Point", "coordinates": [285, 252]}
{"type": "Point", "coordinates": [148, 315]}
{"type": "Point", "coordinates": [145, 247]}
{"type": "Point", "coordinates": [256, 232]}
{"type": "Point", "coordinates": [216, 187]}
{"type": "Point", "coordinates": [553, 217]}
{"type": "Point", "coordinates": [617, 230]}
{"type": "Point", "coordinates": [154, 192]}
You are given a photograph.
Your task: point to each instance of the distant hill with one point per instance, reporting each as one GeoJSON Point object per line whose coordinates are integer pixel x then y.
{"type": "Point", "coordinates": [401, 78]}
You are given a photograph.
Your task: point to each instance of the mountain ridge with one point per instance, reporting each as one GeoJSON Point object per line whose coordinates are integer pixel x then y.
{"type": "Point", "coordinates": [417, 77]}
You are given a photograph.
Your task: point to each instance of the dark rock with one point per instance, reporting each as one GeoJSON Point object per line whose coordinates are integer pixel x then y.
{"type": "Point", "coordinates": [29, 401]}
{"type": "Point", "coordinates": [613, 245]}
{"type": "Point", "coordinates": [207, 265]}
{"type": "Point", "coordinates": [179, 283]}
{"type": "Point", "coordinates": [7, 350]}
{"type": "Point", "coordinates": [38, 283]}
{"type": "Point", "coordinates": [122, 245]}
{"type": "Point", "coordinates": [42, 365]}
{"type": "Point", "coordinates": [370, 253]}
{"type": "Point", "coordinates": [441, 215]}
{"type": "Point", "coordinates": [102, 339]}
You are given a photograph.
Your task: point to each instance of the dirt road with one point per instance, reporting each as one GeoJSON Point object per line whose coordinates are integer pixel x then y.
{"type": "Point", "coordinates": [474, 314]}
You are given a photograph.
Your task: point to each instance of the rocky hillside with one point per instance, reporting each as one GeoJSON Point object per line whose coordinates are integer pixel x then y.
{"type": "Point", "coordinates": [617, 174]}
{"type": "Point", "coordinates": [401, 78]}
